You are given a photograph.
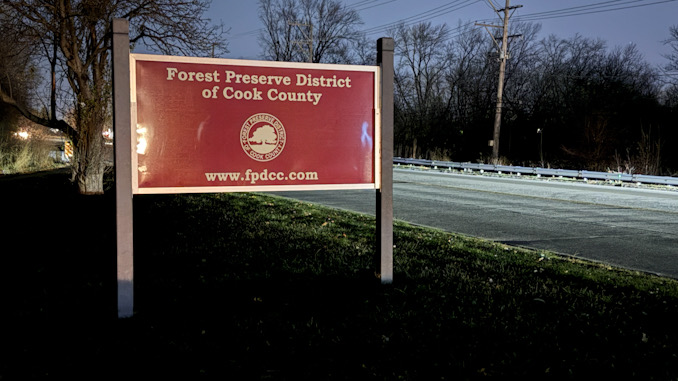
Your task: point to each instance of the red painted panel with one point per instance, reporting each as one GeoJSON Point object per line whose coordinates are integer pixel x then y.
{"type": "Point", "coordinates": [206, 125]}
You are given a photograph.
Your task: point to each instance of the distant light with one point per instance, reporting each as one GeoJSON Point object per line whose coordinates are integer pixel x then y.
{"type": "Point", "coordinates": [142, 143]}
{"type": "Point", "coordinates": [22, 135]}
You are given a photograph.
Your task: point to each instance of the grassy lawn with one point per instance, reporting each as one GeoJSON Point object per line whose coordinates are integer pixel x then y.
{"type": "Point", "coordinates": [254, 287]}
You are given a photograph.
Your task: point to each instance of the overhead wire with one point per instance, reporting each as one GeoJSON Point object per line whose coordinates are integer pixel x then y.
{"type": "Point", "coordinates": [423, 16]}
{"type": "Point", "coordinates": [358, 6]}
{"type": "Point", "coordinates": [368, 6]}
{"type": "Point", "coordinates": [361, 2]}
{"type": "Point", "coordinates": [586, 7]}
{"type": "Point", "coordinates": [600, 7]}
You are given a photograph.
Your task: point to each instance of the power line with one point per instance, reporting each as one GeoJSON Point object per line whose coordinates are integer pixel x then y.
{"type": "Point", "coordinates": [358, 6]}
{"type": "Point", "coordinates": [589, 9]}
{"type": "Point", "coordinates": [423, 16]}
{"type": "Point", "coordinates": [600, 7]}
{"type": "Point", "coordinates": [250, 33]}
{"type": "Point", "coordinates": [585, 7]}
{"type": "Point", "coordinates": [368, 6]}
{"type": "Point", "coordinates": [361, 3]}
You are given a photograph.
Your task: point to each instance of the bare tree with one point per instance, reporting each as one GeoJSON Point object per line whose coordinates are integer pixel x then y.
{"type": "Point", "coordinates": [419, 80]}
{"type": "Point", "coordinates": [672, 42]}
{"type": "Point", "coordinates": [18, 75]}
{"type": "Point", "coordinates": [363, 52]}
{"type": "Point", "coordinates": [671, 75]}
{"type": "Point", "coordinates": [590, 102]}
{"type": "Point", "coordinates": [279, 34]}
{"type": "Point", "coordinates": [308, 30]}
{"type": "Point", "coordinates": [471, 76]}
{"type": "Point", "coordinates": [75, 39]}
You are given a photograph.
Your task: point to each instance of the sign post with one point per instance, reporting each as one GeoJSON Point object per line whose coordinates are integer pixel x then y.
{"type": "Point", "coordinates": [385, 48]}
{"type": "Point", "coordinates": [123, 167]}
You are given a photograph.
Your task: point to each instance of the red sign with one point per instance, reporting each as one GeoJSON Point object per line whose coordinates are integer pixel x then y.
{"type": "Point", "coordinates": [214, 125]}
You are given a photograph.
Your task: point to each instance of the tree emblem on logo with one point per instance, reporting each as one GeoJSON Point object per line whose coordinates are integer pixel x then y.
{"type": "Point", "coordinates": [262, 137]}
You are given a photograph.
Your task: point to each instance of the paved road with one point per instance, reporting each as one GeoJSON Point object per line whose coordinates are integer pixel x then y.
{"type": "Point", "coordinates": [628, 227]}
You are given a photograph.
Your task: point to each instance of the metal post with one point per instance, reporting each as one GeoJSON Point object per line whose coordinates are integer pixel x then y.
{"type": "Point", "coordinates": [123, 167]}
{"type": "Point", "coordinates": [385, 48]}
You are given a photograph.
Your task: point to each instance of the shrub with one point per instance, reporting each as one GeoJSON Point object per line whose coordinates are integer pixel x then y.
{"type": "Point", "coordinates": [22, 156]}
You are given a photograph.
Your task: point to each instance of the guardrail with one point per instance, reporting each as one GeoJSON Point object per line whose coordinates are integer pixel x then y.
{"type": "Point", "coordinates": [535, 171]}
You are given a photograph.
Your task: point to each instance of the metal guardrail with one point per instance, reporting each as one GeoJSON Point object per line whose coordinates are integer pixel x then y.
{"type": "Point", "coordinates": [535, 171]}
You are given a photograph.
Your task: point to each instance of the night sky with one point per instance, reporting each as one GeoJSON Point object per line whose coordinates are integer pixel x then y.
{"type": "Point", "coordinates": [643, 22]}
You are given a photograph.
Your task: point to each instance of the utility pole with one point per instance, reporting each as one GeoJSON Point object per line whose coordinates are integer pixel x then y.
{"type": "Point", "coordinates": [503, 56]}
{"type": "Point", "coordinates": [308, 39]}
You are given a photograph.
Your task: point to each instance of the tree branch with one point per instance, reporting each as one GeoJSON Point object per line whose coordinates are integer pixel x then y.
{"type": "Point", "coordinates": [58, 124]}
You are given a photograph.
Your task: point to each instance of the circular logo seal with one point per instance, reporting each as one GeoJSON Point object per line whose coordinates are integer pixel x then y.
{"type": "Point", "coordinates": [262, 137]}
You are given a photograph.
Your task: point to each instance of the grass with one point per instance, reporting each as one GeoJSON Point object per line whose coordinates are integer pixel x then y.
{"type": "Point", "coordinates": [253, 287]}
{"type": "Point", "coordinates": [19, 156]}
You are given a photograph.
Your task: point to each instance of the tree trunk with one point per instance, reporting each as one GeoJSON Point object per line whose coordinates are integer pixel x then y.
{"type": "Point", "coordinates": [90, 181]}
{"type": "Point", "coordinates": [89, 165]}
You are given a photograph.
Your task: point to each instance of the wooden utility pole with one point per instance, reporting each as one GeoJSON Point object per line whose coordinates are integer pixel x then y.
{"type": "Point", "coordinates": [503, 56]}
{"type": "Point", "coordinates": [308, 39]}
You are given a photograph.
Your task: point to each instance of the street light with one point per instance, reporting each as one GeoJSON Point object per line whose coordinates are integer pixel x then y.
{"type": "Point", "coordinates": [541, 146]}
